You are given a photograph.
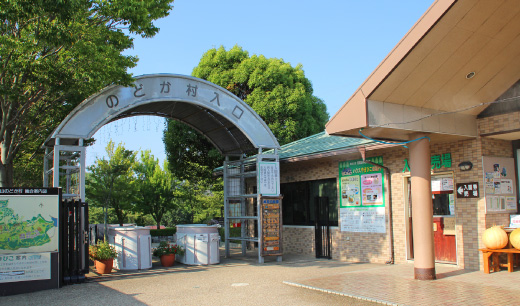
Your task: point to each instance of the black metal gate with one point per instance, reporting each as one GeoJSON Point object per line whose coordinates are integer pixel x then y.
{"type": "Point", "coordinates": [74, 242]}
{"type": "Point", "coordinates": [322, 227]}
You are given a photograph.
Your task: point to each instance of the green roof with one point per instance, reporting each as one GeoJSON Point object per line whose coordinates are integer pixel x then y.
{"type": "Point", "coordinates": [319, 143]}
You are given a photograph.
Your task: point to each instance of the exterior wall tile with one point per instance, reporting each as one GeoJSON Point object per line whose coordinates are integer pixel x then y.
{"type": "Point", "coordinates": [471, 219]}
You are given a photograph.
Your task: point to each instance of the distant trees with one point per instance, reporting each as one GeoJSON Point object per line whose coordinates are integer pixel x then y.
{"type": "Point", "coordinates": [111, 182]}
{"type": "Point", "coordinates": [137, 190]}
{"type": "Point", "coordinates": [157, 188]}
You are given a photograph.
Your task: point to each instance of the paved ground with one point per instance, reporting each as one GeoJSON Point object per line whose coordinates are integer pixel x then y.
{"type": "Point", "coordinates": [242, 281]}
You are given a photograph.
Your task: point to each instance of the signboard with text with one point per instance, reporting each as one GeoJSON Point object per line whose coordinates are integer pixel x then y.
{"type": "Point", "coordinates": [499, 184]}
{"type": "Point", "coordinates": [362, 196]}
{"type": "Point", "coordinates": [269, 178]}
{"type": "Point", "coordinates": [271, 220]}
{"type": "Point", "coordinates": [29, 239]}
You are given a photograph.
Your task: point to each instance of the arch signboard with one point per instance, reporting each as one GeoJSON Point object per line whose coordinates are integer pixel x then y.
{"type": "Point", "coordinates": [228, 122]}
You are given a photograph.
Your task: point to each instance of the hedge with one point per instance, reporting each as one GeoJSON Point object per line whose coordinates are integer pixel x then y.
{"type": "Point", "coordinates": [169, 231]}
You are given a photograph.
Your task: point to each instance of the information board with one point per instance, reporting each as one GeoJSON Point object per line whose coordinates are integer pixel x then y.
{"type": "Point", "coordinates": [29, 239]}
{"type": "Point", "coordinates": [271, 220]}
{"type": "Point", "coordinates": [269, 178]}
{"type": "Point", "coordinates": [499, 184]}
{"type": "Point", "coordinates": [362, 196]}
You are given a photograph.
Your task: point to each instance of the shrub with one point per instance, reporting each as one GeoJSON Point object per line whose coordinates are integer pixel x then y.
{"type": "Point", "coordinates": [170, 231]}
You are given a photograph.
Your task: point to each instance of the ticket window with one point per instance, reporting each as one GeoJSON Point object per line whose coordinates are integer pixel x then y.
{"type": "Point", "coordinates": [443, 202]}
{"type": "Point", "coordinates": [443, 198]}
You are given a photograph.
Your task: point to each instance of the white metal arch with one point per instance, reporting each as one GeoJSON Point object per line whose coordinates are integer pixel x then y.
{"type": "Point", "coordinates": [228, 122]}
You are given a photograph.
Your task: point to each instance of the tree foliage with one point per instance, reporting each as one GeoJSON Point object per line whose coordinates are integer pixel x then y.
{"type": "Point", "coordinates": [111, 182]}
{"type": "Point", "coordinates": [53, 55]}
{"type": "Point", "coordinates": [278, 92]}
{"type": "Point", "coordinates": [157, 187]}
{"type": "Point", "coordinates": [190, 155]}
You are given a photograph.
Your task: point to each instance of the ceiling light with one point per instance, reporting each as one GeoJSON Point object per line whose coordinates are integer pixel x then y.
{"type": "Point", "coordinates": [470, 75]}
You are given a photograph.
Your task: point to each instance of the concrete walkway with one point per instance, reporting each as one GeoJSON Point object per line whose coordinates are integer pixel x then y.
{"type": "Point", "coordinates": [394, 285]}
{"type": "Point", "coordinates": [242, 281]}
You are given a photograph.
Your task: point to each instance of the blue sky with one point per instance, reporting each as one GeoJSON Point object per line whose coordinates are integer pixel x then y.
{"type": "Point", "coordinates": [339, 43]}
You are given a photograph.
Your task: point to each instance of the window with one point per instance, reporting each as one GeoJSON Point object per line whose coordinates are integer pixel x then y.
{"type": "Point", "coordinates": [299, 200]}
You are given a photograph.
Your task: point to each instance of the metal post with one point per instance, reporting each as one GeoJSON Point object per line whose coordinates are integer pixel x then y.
{"type": "Point", "coordinates": [46, 169]}
{"type": "Point", "coordinates": [226, 205]}
{"type": "Point", "coordinates": [259, 206]}
{"type": "Point", "coordinates": [56, 164]}
{"type": "Point", "coordinates": [82, 159]}
{"type": "Point", "coordinates": [242, 191]}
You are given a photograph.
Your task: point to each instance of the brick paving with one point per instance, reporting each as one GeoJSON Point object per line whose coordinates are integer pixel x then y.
{"type": "Point", "coordinates": [394, 285]}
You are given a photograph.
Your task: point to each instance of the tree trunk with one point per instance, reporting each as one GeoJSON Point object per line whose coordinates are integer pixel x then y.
{"type": "Point", "coordinates": [6, 175]}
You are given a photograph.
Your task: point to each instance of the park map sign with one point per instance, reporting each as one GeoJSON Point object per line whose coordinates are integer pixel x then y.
{"type": "Point", "coordinates": [28, 223]}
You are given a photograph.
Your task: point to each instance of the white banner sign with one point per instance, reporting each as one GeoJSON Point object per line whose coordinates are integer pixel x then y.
{"type": "Point", "coordinates": [363, 219]}
{"type": "Point", "coordinates": [25, 267]}
{"type": "Point", "coordinates": [269, 178]}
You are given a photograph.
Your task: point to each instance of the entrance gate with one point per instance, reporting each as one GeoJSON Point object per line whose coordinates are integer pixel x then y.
{"type": "Point", "coordinates": [322, 228]}
{"type": "Point", "coordinates": [225, 120]}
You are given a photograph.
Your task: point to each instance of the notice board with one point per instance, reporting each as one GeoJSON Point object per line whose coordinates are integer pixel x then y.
{"type": "Point", "coordinates": [499, 184]}
{"type": "Point", "coordinates": [362, 196]}
{"type": "Point", "coordinates": [29, 239]}
{"type": "Point", "coordinates": [271, 220]}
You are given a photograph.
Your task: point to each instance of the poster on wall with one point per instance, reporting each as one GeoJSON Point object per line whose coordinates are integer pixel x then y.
{"type": "Point", "coordinates": [362, 200]}
{"type": "Point", "coordinates": [499, 182]}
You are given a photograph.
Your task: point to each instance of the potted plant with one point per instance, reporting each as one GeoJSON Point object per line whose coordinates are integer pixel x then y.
{"type": "Point", "coordinates": [166, 252]}
{"type": "Point", "coordinates": [103, 255]}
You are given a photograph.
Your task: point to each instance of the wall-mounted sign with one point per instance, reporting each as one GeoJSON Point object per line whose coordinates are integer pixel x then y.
{"type": "Point", "coordinates": [468, 190]}
{"type": "Point", "coordinates": [437, 162]}
{"type": "Point", "coordinates": [271, 220]}
{"type": "Point", "coordinates": [499, 182]}
{"type": "Point", "coordinates": [362, 196]}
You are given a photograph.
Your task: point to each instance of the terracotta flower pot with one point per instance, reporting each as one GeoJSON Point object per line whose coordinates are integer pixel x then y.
{"type": "Point", "coordinates": [167, 260]}
{"type": "Point", "coordinates": [104, 266]}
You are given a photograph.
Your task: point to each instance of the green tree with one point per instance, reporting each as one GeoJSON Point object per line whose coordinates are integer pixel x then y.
{"type": "Point", "coordinates": [111, 183]}
{"type": "Point", "coordinates": [190, 155]}
{"type": "Point", "coordinates": [53, 55]}
{"type": "Point", "coordinates": [157, 188]}
{"type": "Point", "coordinates": [278, 92]}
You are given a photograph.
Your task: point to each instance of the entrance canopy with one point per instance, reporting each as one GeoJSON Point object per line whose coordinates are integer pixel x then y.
{"type": "Point", "coordinates": [457, 58]}
{"type": "Point", "coordinates": [228, 122]}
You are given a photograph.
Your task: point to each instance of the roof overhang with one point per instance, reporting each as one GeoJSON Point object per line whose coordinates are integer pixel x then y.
{"type": "Point", "coordinates": [457, 58]}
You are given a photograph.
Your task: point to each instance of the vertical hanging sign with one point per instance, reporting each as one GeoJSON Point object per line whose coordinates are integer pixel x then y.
{"type": "Point", "coordinates": [269, 178]}
{"type": "Point", "coordinates": [271, 220]}
{"type": "Point", "coordinates": [362, 196]}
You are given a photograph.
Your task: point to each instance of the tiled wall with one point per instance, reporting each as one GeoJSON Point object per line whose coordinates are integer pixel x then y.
{"type": "Point", "coordinates": [471, 219]}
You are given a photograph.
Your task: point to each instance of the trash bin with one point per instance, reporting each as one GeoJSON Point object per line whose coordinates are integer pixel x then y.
{"type": "Point", "coordinates": [200, 242]}
{"type": "Point", "coordinates": [134, 247]}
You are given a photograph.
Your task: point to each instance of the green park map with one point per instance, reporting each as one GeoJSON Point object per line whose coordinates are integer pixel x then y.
{"type": "Point", "coordinates": [16, 233]}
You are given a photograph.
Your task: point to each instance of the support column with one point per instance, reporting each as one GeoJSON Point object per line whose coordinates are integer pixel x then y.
{"type": "Point", "coordinates": [422, 209]}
